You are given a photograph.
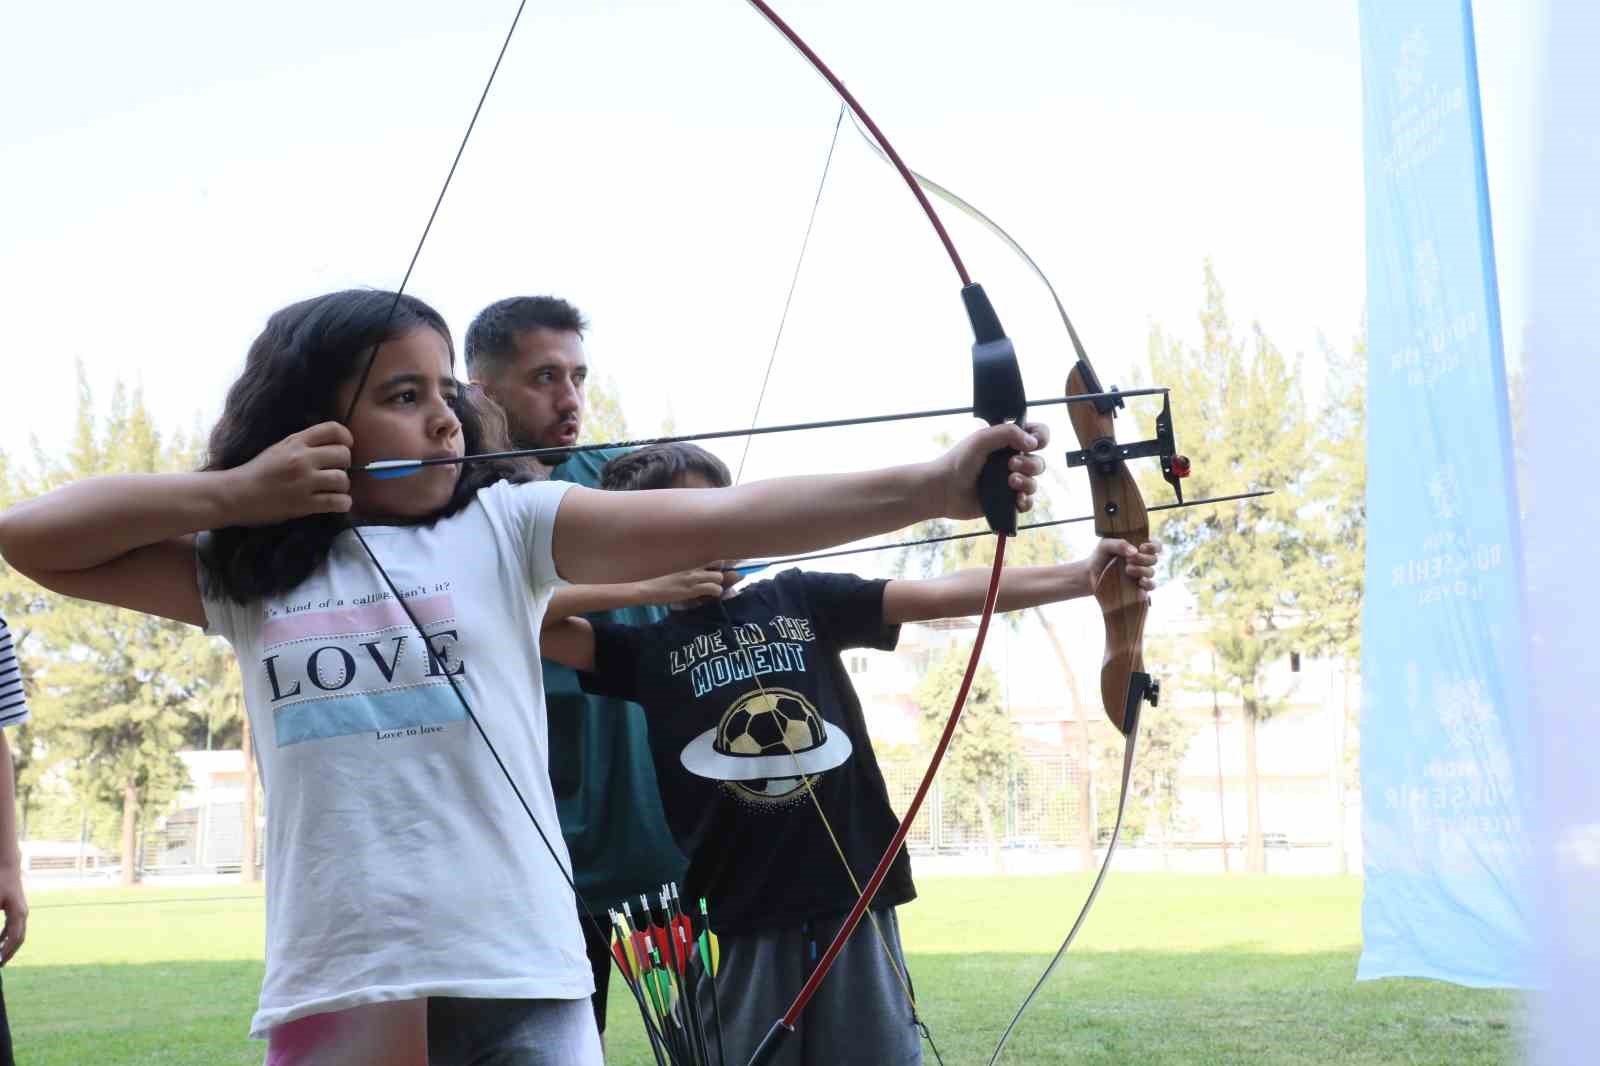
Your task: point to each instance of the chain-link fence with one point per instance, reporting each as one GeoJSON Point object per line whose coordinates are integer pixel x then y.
{"type": "Point", "coordinates": [206, 839]}
{"type": "Point", "coordinates": [1038, 805]}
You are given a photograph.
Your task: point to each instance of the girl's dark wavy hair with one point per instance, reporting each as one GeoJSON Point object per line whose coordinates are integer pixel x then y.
{"type": "Point", "coordinates": [290, 382]}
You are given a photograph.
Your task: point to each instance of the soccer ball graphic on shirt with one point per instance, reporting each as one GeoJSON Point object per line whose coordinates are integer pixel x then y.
{"type": "Point", "coordinates": [767, 745]}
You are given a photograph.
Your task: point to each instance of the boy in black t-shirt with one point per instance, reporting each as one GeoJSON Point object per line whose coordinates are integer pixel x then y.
{"type": "Point", "coordinates": [767, 773]}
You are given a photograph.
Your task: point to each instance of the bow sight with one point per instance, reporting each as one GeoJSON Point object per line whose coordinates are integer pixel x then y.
{"type": "Point", "coordinates": [1103, 453]}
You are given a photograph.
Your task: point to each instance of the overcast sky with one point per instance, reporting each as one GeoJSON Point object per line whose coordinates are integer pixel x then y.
{"type": "Point", "coordinates": [173, 172]}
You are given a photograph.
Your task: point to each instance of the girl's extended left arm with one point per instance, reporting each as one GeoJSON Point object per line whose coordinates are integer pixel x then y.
{"type": "Point", "coordinates": [628, 536]}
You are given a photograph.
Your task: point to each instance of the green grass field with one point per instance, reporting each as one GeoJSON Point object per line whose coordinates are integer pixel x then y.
{"type": "Point", "coordinates": [1169, 970]}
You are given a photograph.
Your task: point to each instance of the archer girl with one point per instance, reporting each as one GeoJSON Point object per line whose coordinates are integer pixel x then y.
{"type": "Point", "coordinates": [413, 915]}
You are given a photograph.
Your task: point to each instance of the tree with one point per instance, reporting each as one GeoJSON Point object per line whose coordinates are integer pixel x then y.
{"type": "Point", "coordinates": [603, 417]}
{"type": "Point", "coordinates": [1332, 607]}
{"type": "Point", "coordinates": [1249, 565]}
{"type": "Point", "coordinates": [980, 753]}
{"type": "Point", "coordinates": [1152, 800]}
{"type": "Point", "coordinates": [1164, 739]}
{"type": "Point", "coordinates": [115, 691]}
{"type": "Point", "coordinates": [1038, 547]}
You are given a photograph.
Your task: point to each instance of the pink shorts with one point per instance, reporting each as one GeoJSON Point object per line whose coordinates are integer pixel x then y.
{"type": "Point", "coordinates": [394, 1033]}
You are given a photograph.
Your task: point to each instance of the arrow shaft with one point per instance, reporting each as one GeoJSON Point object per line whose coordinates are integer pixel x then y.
{"type": "Point", "coordinates": [397, 465]}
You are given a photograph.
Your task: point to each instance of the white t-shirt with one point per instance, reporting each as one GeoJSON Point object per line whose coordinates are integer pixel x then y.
{"type": "Point", "coordinates": [399, 863]}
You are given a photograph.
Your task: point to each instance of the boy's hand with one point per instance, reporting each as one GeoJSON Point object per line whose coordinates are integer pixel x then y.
{"type": "Point", "coordinates": [958, 470]}
{"type": "Point", "coordinates": [688, 585]}
{"type": "Point", "coordinates": [1139, 563]}
{"type": "Point", "coordinates": [303, 474]}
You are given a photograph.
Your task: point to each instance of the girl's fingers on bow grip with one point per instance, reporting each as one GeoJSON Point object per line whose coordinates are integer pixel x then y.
{"type": "Point", "coordinates": [1027, 460]}
{"type": "Point", "coordinates": [1024, 438]}
{"type": "Point", "coordinates": [1023, 482]}
{"type": "Point", "coordinates": [1027, 464]}
{"type": "Point", "coordinates": [1023, 486]}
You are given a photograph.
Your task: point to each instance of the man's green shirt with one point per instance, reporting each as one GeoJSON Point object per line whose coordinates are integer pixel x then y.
{"type": "Point", "coordinates": [600, 766]}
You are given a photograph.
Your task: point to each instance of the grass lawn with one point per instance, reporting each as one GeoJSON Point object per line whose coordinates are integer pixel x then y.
{"type": "Point", "coordinates": [1168, 970]}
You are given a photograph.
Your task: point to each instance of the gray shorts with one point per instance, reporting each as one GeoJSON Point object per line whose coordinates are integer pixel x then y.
{"type": "Point", "coordinates": [858, 1017]}
{"type": "Point", "coordinates": [512, 1032]}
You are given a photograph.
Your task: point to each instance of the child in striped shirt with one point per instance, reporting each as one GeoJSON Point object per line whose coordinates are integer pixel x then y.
{"type": "Point", "coordinates": [13, 711]}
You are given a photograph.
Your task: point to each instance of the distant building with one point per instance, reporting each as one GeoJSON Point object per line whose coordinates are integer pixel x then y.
{"type": "Point", "coordinates": [44, 858]}
{"type": "Point", "coordinates": [204, 832]}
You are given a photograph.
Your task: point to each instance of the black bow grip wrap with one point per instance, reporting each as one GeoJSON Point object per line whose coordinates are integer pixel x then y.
{"type": "Point", "coordinates": [997, 396]}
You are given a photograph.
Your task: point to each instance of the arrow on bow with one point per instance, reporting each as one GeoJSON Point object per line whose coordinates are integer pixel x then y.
{"type": "Point", "coordinates": [395, 468]}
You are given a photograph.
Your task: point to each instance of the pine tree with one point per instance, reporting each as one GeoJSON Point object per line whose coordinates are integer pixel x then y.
{"type": "Point", "coordinates": [1332, 608]}
{"type": "Point", "coordinates": [115, 691]}
{"type": "Point", "coordinates": [979, 758]}
{"type": "Point", "coordinates": [1036, 547]}
{"type": "Point", "coordinates": [1251, 564]}
{"type": "Point", "coordinates": [603, 417]}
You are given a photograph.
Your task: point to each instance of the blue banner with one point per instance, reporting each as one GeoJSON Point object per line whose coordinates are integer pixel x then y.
{"type": "Point", "coordinates": [1444, 713]}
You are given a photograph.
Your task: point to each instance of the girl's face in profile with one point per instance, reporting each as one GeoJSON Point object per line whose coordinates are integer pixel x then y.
{"type": "Point", "coordinates": [404, 413]}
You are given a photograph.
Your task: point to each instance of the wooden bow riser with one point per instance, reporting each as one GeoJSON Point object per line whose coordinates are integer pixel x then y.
{"type": "Point", "coordinates": [1119, 512]}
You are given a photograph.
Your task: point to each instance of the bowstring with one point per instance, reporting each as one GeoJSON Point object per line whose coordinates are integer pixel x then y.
{"type": "Point", "coordinates": [809, 787]}
{"type": "Point", "coordinates": [383, 572]}
{"type": "Point", "coordinates": [1111, 847]}
{"type": "Point", "coordinates": [794, 283]}
{"type": "Point", "coordinates": [807, 784]}
{"type": "Point", "coordinates": [1094, 891]}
